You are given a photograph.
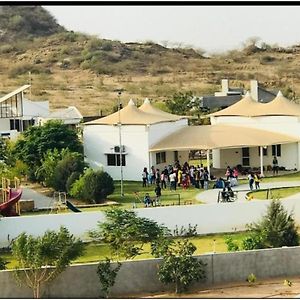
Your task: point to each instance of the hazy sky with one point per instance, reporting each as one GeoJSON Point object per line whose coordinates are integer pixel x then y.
{"type": "Point", "coordinates": [212, 28]}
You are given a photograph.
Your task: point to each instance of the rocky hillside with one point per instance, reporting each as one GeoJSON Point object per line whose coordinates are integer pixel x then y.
{"type": "Point", "coordinates": [69, 68]}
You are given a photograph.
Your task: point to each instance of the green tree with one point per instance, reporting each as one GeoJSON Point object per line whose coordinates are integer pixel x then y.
{"type": "Point", "coordinates": [276, 229]}
{"type": "Point", "coordinates": [181, 103]}
{"type": "Point", "coordinates": [107, 275]}
{"type": "Point", "coordinates": [37, 140]}
{"type": "Point", "coordinates": [126, 233]}
{"type": "Point", "coordinates": [70, 163]}
{"type": "Point", "coordinates": [41, 259]}
{"type": "Point", "coordinates": [44, 173]}
{"type": "Point", "coordinates": [179, 266]}
{"type": "Point", "coordinates": [93, 186]}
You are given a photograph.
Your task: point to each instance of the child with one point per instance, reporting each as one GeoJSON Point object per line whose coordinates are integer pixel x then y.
{"type": "Point", "coordinates": [256, 181]}
{"type": "Point", "coordinates": [147, 200]}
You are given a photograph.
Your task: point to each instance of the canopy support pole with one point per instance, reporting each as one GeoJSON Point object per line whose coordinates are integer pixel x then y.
{"type": "Point", "coordinates": [261, 161]}
{"type": "Point", "coordinates": [207, 159]}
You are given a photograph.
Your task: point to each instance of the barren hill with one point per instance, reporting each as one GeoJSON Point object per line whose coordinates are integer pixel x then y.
{"type": "Point", "coordinates": [70, 68]}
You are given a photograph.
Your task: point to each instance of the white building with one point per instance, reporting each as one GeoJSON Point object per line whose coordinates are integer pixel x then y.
{"type": "Point", "coordinates": [238, 135]}
{"type": "Point", "coordinates": [280, 116]}
{"type": "Point", "coordinates": [139, 129]}
{"type": "Point", "coordinates": [18, 113]}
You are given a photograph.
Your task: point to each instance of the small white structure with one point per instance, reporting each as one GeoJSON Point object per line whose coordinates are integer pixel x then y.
{"type": "Point", "coordinates": [70, 116]}
{"type": "Point", "coordinates": [138, 129]}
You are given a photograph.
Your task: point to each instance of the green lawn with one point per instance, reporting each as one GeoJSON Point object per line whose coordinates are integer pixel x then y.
{"type": "Point", "coordinates": [275, 193]}
{"type": "Point", "coordinates": [95, 252]}
{"type": "Point", "coordinates": [168, 197]}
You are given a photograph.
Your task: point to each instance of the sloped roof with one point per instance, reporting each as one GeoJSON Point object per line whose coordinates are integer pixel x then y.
{"type": "Point", "coordinates": [247, 106]}
{"type": "Point", "coordinates": [130, 115]}
{"type": "Point", "coordinates": [220, 136]}
{"type": "Point", "coordinates": [147, 107]}
{"type": "Point", "coordinates": [15, 92]}
{"type": "Point", "coordinates": [66, 113]}
{"type": "Point", "coordinates": [280, 106]}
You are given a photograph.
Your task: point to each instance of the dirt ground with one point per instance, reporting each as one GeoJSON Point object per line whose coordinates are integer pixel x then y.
{"type": "Point", "coordinates": [271, 288]}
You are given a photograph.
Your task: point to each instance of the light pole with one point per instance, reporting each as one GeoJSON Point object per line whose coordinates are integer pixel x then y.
{"type": "Point", "coordinates": [120, 140]}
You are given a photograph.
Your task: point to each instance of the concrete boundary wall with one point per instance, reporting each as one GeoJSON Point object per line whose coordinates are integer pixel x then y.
{"type": "Point", "coordinates": [209, 218]}
{"type": "Point", "coordinates": [136, 277]}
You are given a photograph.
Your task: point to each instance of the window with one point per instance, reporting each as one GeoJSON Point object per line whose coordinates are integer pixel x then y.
{"type": "Point", "coordinates": [160, 157]}
{"type": "Point", "coordinates": [245, 157]}
{"type": "Point", "coordinates": [176, 155]}
{"type": "Point", "coordinates": [265, 151]}
{"type": "Point", "coordinates": [276, 150]}
{"type": "Point", "coordinates": [114, 160]}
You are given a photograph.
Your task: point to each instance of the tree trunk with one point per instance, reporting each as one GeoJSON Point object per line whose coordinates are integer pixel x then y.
{"type": "Point", "coordinates": [36, 291]}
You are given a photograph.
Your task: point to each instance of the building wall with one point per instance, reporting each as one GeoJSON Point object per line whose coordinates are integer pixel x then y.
{"type": "Point", "coordinates": [233, 157]}
{"type": "Point", "coordinates": [210, 218]}
{"type": "Point", "coordinates": [4, 124]}
{"type": "Point", "coordinates": [290, 156]}
{"type": "Point", "coordinates": [139, 277]}
{"type": "Point", "coordinates": [101, 139]}
{"type": "Point", "coordinates": [183, 156]}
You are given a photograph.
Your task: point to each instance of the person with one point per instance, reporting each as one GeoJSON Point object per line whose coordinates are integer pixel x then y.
{"type": "Point", "coordinates": [202, 178]}
{"type": "Point", "coordinates": [180, 176]}
{"type": "Point", "coordinates": [275, 166]}
{"type": "Point", "coordinates": [256, 181]}
{"type": "Point", "coordinates": [158, 194]}
{"type": "Point", "coordinates": [205, 178]}
{"type": "Point", "coordinates": [235, 173]}
{"type": "Point", "coordinates": [152, 175]}
{"type": "Point", "coordinates": [172, 178]}
{"type": "Point", "coordinates": [230, 193]}
{"type": "Point", "coordinates": [197, 178]}
{"type": "Point", "coordinates": [220, 183]}
{"type": "Point", "coordinates": [145, 177]}
{"type": "Point", "coordinates": [163, 181]}
{"type": "Point", "coordinates": [251, 180]}
{"type": "Point", "coordinates": [157, 177]}
{"type": "Point", "coordinates": [147, 200]}
{"type": "Point", "coordinates": [225, 195]}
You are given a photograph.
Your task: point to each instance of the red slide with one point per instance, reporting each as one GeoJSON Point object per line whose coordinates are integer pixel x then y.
{"type": "Point", "coordinates": [7, 208]}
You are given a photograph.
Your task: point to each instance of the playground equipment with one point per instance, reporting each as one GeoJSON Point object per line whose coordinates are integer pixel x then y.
{"type": "Point", "coordinates": [10, 206]}
{"type": "Point", "coordinates": [61, 202]}
{"type": "Point", "coordinates": [72, 207]}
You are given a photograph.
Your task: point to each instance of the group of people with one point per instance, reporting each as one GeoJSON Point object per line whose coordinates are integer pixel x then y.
{"type": "Point", "coordinates": [254, 178]}
{"type": "Point", "coordinates": [177, 175]}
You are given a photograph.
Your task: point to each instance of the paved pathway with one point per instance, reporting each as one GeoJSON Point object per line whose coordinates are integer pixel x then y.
{"type": "Point", "coordinates": [211, 196]}
{"type": "Point", "coordinates": [40, 200]}
{"type": "Point", "coordinates": [208, 196]}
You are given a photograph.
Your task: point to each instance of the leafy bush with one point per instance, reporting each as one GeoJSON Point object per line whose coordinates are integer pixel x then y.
{"type": "Point", "coordinates": [70, 163]}
{"type": "Point", "coordinates": [93, 186]}
{"type": "Point", "coordinates": [126, 233]}
{"type": "Point", "coordinates": [231, 245]}
{"type": "Point", "coordinates": [276, 229]}
{"type": "Point", "coordinates": [41, 259]}
{"type": "Point", "coordinates": [72, 178]}
{"type": "Point", "coordinates": [253, 241]}
{"type": "Point", "coordinates": [180, 267]}
{"type": "Point", "coordinates": [251, 278]}
{"type": "Point", "coordinates": [107, 275]}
